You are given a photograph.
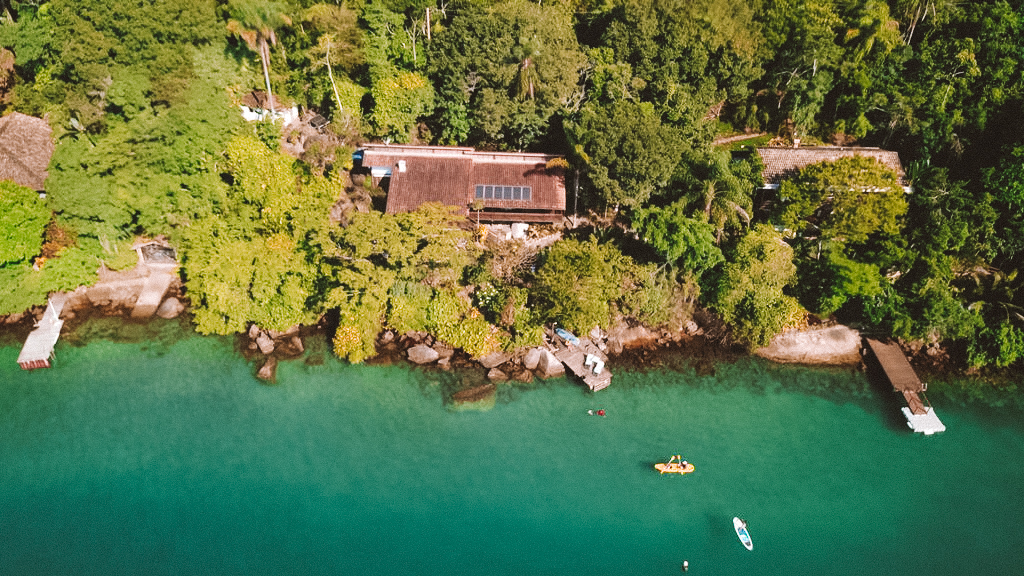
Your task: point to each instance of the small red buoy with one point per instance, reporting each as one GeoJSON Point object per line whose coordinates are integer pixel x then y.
{"type": "Point", "coordinates": [600, 412]}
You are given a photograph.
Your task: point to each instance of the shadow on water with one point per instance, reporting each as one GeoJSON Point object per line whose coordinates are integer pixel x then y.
{"type": "Point", "coordinates": [889, 402]}
{"type": "Point", "coordinates": [155, 335]}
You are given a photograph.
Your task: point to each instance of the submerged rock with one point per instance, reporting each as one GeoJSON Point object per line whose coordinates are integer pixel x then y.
{"type": "Point", "coordinates": [477, 398]}
{"type": "Point", "coordinates": [268, 372]}
{"type": "Point", "coordinates": [422, 354]}
{"type": "Point", "coordinates": [524, 376]}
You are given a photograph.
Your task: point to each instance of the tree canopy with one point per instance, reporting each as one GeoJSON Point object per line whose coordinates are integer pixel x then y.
{"type": "Point", "coordinates": [846, 200]}
{"type": "Point", "coordinates": [23, 217]}
{"type": "Point", "coordinates": [642, 99]}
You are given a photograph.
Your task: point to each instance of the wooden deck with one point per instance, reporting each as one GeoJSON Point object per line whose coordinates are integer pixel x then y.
{"type": "Point", "coordinates": [575, 360]}
{"type": "Point", "coordinates": [920, 415]}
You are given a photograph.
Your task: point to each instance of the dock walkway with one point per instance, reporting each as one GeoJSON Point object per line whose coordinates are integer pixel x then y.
{"type": "Point", "coordinates": [575, 358]}
{"type": "Point", "coordinates": [38, 349]}
{"type": "Point", "coordinates": [920, 415]}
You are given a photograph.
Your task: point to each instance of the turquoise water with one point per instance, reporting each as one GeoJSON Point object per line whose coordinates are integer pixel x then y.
{"type": "Point", "coordinates": [172, 459]}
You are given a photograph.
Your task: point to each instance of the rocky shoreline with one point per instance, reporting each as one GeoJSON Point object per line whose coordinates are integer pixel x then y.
{"type": "Point", "coordinates": [702, 340]}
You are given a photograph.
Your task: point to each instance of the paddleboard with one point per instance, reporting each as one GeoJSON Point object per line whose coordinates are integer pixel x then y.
{"type": "Point", "coordinates": [741, 531]}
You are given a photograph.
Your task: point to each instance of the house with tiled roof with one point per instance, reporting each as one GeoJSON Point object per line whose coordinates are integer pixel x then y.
{"type": "Point", "coordinates": [505, 186]}
{"type": "Point", "coordinates": [784, 163]}
{"type": "Point", "coordinates": [26, 146]}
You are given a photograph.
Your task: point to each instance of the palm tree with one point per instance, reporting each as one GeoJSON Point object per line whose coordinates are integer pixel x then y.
{"type": "Point", "coordinates": [254, 21]}
{"type": "Point", "coordinates": [524, 52]}
{"type": "Point", "coordinates": [725, 205]}
{"type": "Point", "coordinates": [872, 25]}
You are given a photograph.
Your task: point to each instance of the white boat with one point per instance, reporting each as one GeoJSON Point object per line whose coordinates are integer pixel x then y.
{"type": "Point", "coordinates": [741, 531]}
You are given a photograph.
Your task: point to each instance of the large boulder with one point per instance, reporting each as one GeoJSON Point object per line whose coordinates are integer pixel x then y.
{"type": "Point", "coordinates": [422, 354]}
{"type": "Point", "coordinates": [494, 360]}
{"type": "Point", "coordinates": [623, 336]}
{"type": "Point", "coordinates": [265, 343]}
{"type": "Point", "coordinates": [170, 308]}
{"type": "Point", "coordinates": [495, 375]}
{"type": "Point", "coordinates": [549, 366]}
{"type": "Point", "coordinates": [443, 350]}
{"type": "Point", "coordinates": [532, 358]}
{"type": "Point", "coordinates": [835, 345]}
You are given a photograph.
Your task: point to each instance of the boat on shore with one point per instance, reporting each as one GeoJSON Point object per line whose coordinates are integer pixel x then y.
{"type": "Point", "coordinates": [740, 526]}
{"type": "Point", "coordinates": [569, 337]}
{"type": "Point", "coordinates": [675, 465]}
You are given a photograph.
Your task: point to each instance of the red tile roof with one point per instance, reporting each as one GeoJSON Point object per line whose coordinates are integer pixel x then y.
{"type": "Point", "coordinates": [26, 145]}
{"type": "Point", "coordinates": [783, 163]}
{"type": "Point", "coordinates": [450, 175]}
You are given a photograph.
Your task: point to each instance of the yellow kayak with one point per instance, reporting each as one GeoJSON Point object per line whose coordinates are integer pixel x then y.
{"type": "Point", "coordinates": [675, 465]}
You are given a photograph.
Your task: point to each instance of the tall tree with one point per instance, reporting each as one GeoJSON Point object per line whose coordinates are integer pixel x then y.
{"type": "Point", "coordinates": [626, 150]}
{"type": "Point", "coordinates": [256, 22]}
{"type": "Point", "coordinates": [256, 257]}
{"type": "Point", "coordinates": [502, 72]}
{"type": "Point", "coordinates": [579, 281]}
{"type": "Point", "coordinates": [749, 292]}
{"type": "Point", "coordinates": [685, 242]}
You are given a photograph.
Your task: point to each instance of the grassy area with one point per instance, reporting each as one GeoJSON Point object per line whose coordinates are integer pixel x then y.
{"type": "Point", "coordinates": [752, 142]}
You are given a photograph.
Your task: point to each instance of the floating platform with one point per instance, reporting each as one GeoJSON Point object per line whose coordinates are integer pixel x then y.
{"type": "Point", "coordinates": [927, 423]}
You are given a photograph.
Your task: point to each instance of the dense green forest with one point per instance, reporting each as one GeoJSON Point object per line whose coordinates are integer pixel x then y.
{"type": "Point", "coordinates": [143, 94]}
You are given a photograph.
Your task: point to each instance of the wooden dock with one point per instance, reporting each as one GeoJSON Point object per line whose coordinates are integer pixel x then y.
{"type": "Point", "coordinates": [920, 415]}
{"type": "Point", "coordinates": [38, 349]}
{"type": "Point", "coordinates": [575, 358]}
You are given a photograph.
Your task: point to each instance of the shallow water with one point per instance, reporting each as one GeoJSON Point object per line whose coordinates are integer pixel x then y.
{"type": "Point", "coordinates": [172, 459]}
